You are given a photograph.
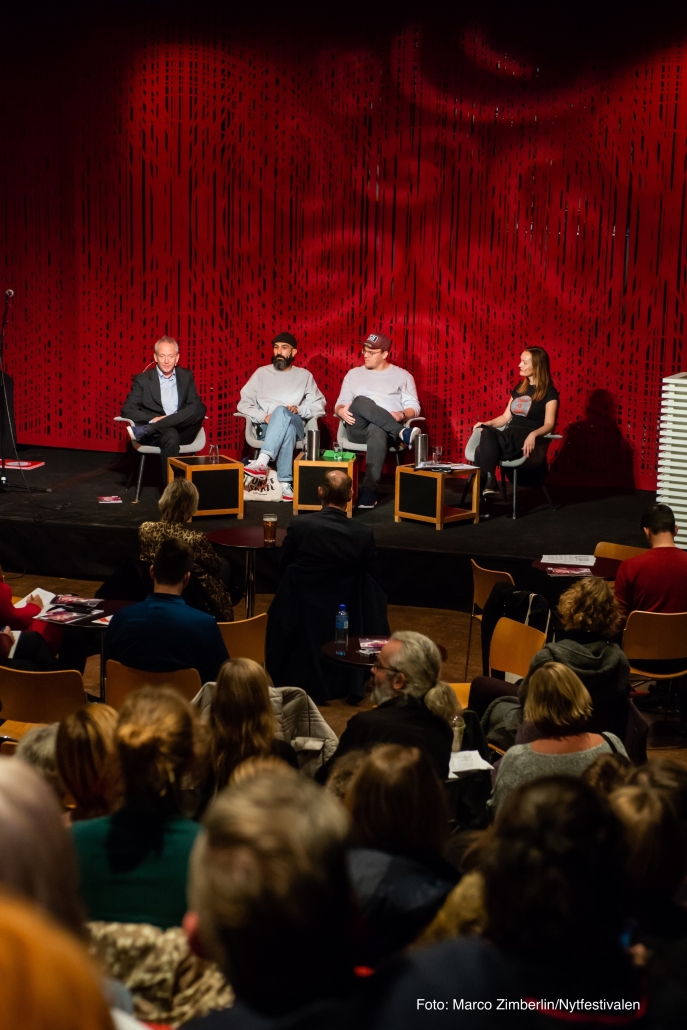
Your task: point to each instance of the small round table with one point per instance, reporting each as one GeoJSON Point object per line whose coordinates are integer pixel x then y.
{"type": "Point", "coordinates": [354, 656]}
{"type": "Point", "coordinates": [249, 539]}
{"type": "Point", "coordinates": [603, 568]}
{"type": "Point", "coordinates": [91, 623]}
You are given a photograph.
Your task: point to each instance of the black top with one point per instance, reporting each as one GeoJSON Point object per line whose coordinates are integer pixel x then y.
{"type": "Point", "coordinates": [528, 413]}
{"type": "Point", "coordinates": [327, 538]}
{"type": "Point", "coordinates": [402, 720]}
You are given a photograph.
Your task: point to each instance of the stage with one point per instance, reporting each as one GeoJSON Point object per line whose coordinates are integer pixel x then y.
{"type": "Point", "coordinates": [68, 533]}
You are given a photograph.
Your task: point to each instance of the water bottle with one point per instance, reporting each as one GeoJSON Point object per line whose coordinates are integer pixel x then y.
{"type": "Point", "coordinates": [341, 630]}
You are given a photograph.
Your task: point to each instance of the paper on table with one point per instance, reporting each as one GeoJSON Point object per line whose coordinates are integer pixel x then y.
{"type": "Point", "coordinates": [45, 596]}
{"type": "Point", "coordinates": [569, 559]}
{"type": "Point", "coordinates": [465, 761]}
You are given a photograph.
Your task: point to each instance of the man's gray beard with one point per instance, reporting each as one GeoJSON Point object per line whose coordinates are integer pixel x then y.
{"type": "Point", "coordinates": [382, 693]}
{"type": "Point", "coordinates": [281, 363]}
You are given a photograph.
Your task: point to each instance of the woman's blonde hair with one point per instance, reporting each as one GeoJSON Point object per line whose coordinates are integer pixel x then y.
{"type": "Point", "coordinates": [442, 700]}
{"type": "Point", "coordinates": [558, 703]}
{"type": "Point", "coordinates": [155, 740]}
{"type": "Point", "coordinates": [541, 373]}
{"type": "Point", "coordinates": [589, 606]}
{"type": "Point", "coordinates": [241, 723]}
{"type": "Point", "coordinates": [179, 501]}
{"type": "Point", "coordinates": [87, 760]}
{"type": "Point", "coordinates": [48, 979]}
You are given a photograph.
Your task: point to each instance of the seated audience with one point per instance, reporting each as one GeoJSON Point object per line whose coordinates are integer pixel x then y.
{"type": "Point", "coordinates": [270, 901]}
{"type": "Point", "coordinates": [37, 749]}
{"type": "Point", "coordinates": [408, 666]}
{"type": "Point", "coordinates": [559, 707]}
{"type": "Point", "coordinates": [162, 634]}
{"type": "Point", "coordinates": [607, 773]}
{"type": "Point", "coordinates": [400, 828]}
{"type": "Point", "coordinates": [668, 776]}
{"type": "Point", "coordinates": [48, 980]}
{"type": "Point", "coordinates": [31, 653]}
{"type": "Point", "coordinates": [12, 617]}
{"type": "Point", "coordinates": [178, 505]}
{"type": "Point", "coordinates": [87, 760]}
{"type": "Point", "coordinates": [241, 721]}
{"type": "Point", "coordinates": [133, 863]}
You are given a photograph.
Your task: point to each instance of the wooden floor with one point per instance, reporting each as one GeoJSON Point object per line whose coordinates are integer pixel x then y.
{"type": "Point", "coordinates": [445, 627]}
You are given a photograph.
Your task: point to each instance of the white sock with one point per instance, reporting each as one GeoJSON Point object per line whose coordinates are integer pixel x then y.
{"type": "Point", "coordinates": [263, 458]}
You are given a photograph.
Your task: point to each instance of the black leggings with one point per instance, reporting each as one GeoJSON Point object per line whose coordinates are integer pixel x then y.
{"type": "Point", "coordinates": [32, 654]}
{"type": "Point", "coordinates": [496, 445]}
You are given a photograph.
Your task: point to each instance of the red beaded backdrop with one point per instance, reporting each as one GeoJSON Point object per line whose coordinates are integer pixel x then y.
{"type": "Point", "coordinates": [221, 185]}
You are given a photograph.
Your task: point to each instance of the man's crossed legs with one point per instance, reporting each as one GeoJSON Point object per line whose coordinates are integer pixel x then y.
{"type": "Point", "coordinates": [170, 432]}
{"type": "Point", "coordinates": [283, 430]}
{"type": "Point", "coordinates": [377, 428]}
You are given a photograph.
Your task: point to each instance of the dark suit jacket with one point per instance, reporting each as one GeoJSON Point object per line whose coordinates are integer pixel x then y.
{"type": "Point", "coordinates": [145, 401]}
{"type": "Point", "coordinates": [162, 634]}
{"type": "Point", "coordinates": [327, 539]}
{"type": "Point", "coordinates": [402, 720]}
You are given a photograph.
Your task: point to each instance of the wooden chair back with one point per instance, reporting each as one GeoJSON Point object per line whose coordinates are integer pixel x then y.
{"type": "Point", "coordinates": [621, 552]}
{"type": "Point", "coordinates": [513, 646]}
{"type": "Point", "coordinates": [246, 638]}
{"type": "Point", "coordinates": [483, 582]}
{"type": "Point", "coordinates": [122, 679]}
{"type": "Point", "coordinates": [651, 636]}
{"type": "Point", "coordinates": [462, 692]}
{"type": "Point", "coordinates": [40, 696]}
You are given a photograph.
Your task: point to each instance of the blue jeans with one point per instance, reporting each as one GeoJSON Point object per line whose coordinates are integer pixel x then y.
{"type": "Point", "coordinates": [281, 433]}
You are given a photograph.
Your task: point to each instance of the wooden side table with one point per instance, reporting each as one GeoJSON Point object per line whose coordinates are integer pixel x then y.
{"type": "Point", "coordinates": [419, 495]}
{"type": "Point", "coordinates": [219, 485]}
{"type": "Point", "coordinates": [307, 476]}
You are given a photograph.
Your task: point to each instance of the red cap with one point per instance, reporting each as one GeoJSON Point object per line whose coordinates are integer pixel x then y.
{"type": "Point", "coordinates": [377, 341]}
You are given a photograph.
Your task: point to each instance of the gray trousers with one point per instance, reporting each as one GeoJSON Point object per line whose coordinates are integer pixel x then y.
{"type": "Point", "coordinates": [377, 428]}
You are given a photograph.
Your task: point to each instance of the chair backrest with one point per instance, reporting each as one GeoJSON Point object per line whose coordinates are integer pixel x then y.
{"type": "Point", "coordinates": [513, 646]}
{"type": "Point", "coordinates": [655, 635]}
{"type": "Point", "coordinates": [621, 552]}
{"type": "Point", "coordinates": [462, 692]}
{"type": "Point", "coordinates": [483, 582]}
{"type": "Point", "coordinates": [122, 679]}
{"type": "Point", "coordinates": [40, 696]}
{"type": "Point", "coordinates": [246, 638]}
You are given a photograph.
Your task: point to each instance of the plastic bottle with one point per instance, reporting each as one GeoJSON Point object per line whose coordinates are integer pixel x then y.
{"type": "Point", "coordinates": [341, 630]}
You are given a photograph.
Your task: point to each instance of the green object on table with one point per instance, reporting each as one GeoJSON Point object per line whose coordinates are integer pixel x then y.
{"type": "Point", "coordinates": [338, 455]}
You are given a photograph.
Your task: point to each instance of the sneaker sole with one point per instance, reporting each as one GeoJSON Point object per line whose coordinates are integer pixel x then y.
{"type": "Point", "coordinates": [366, 507]}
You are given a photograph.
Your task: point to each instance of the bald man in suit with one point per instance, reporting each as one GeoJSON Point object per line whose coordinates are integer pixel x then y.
{"type": "Point", "coordinates": [164, 404]}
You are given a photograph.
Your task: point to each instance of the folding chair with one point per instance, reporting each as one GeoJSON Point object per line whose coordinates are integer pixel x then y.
{"type": "Point", "coordinates": [122, 679]}
{"type": "Point", "coordinates": [483, 581]}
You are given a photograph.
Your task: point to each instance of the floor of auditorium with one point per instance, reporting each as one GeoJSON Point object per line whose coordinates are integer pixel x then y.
{"type": "Point", "coordinates": [446, 627]}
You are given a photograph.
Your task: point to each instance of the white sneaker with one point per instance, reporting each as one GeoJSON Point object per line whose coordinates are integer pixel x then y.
{"type": "Point", "coordinates": [255, 471]}
{"type": "Point", "coordinates": [287, 491]}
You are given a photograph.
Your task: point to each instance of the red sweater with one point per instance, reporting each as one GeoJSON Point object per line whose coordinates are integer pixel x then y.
{"type": "Point", "coordinates": [653, 582]}
{"type": "Point", "coordinates": [15, 618]}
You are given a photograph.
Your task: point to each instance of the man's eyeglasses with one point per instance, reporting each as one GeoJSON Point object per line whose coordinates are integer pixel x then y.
{"type": "Point", "coordinates": [377, 666]}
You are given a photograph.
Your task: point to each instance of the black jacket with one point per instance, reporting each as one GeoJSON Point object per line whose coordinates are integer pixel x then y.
{"type": "Point", "coordinates": [145, 401]}
{"type": "Point", "coordinates": [327, 539]}
{"type": "Point", "coordinates": [401, 720]}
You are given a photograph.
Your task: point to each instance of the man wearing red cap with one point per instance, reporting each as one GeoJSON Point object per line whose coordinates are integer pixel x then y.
{"type": "Point", "coordinates": [280, 398]}
{"type": "Point", "coordinates": [375, 401]}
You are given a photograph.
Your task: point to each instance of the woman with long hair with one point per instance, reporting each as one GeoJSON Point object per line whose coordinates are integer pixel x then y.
{"type": "Point", "coordinates": [87, 760]}
{"type": "Point", "coordinates": [241, 723]}
{"type": "Point", "coordinates": [530, 413]}
{"type": "Point", "coordinates": [133, 863]}
{"type": "Point", "coordinates": [178, 504]}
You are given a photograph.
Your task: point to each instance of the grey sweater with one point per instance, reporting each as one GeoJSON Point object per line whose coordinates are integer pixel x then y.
{"type": "Point", "coordinates": [520, 764]}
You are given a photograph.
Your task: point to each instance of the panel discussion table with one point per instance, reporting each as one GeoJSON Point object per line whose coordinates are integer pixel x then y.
{"type": "Point", "coordinates": [249, 539]}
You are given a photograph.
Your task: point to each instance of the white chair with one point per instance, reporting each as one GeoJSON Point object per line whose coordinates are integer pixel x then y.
{"type": "Point", "coordinates": [256, 445]}
{"type": "Point", "coordinates": [535, 460]}
{"type": "Point", "coordinates": [361, 448]}
{"type": "Point", "coordinates": [145, 448]}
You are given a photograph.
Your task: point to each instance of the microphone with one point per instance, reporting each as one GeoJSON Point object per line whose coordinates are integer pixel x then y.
{"type": "Point", "coordinates": [9, 294]}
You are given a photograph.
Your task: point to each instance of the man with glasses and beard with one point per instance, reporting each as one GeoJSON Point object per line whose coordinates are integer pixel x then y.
{"type": "Point", "coordinates": [407, 668]}
{"type": "Point", "coordinates": [279, 399]}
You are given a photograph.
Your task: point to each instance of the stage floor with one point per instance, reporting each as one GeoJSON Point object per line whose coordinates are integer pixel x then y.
{"type": "Point", "coordinates": [68, 533]}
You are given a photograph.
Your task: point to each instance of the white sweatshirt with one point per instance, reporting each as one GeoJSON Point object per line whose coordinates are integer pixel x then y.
{"type": "Point", "coordinates": [268, 388]}
{"type": "Point", "coordinates": [392, 389]}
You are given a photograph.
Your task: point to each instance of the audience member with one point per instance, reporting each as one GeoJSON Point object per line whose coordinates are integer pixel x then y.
{"type": "Point", "coordinates": [133, 863]}
{"type": "Point", "coordinates": [162, 634]}
{"type": "Point", "coordinates": [48, 980]}
{"type": "Point", "coordinates": [668, 776]}
{"type": "Point", "coordinates": [87, 760]}
{"type": "Point", "coordinates": [270, 900]}
{"type": "Point", "coordinates": [37, 749]}
{"type": "Point", "coordinates": [241, 721]}
{"type": "Point", "coordinates": [17, 617]}
{"type": "Point", "coordinates": [37, 858]}
{"type": "Point", "coordinates": [400, 827]}
{"type": "Point", "coordinates": [607, 773]}
{"type": "Point", "coordinates": [559, 707]}
{"type": "Point", "coordinates": [408, 666]}
{"type": "Point", "coordinates": [343, 770]}
{"type": "Point", "coordinates": [178, 505]}
{"type": "Point", "coordinates": [31, 653]}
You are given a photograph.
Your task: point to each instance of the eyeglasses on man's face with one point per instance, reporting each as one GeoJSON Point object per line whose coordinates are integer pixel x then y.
{"type": "Point", "coordinates": [378, 667]}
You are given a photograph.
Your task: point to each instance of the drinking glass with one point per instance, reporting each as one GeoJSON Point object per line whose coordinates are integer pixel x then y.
{"type": "Point", "coordinates": [437, 452]}
{"type": "Point", "coordinates": [269, 528]}
{"type": "Point", "coordinates": [214, 454]}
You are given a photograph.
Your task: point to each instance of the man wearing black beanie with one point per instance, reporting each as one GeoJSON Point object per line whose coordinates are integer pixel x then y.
{"type": "Point", "coordinates": [280, 398]}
